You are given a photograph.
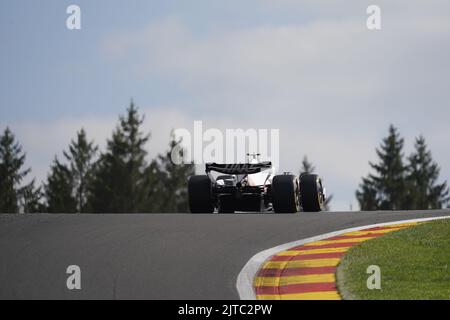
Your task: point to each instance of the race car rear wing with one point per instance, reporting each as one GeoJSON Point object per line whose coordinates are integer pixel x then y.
{"type": "Point", "coordinates": [238, 168]}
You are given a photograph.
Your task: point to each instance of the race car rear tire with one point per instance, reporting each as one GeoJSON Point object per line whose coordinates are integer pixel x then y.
{"type": "Point", "coordinates": [199, 194]}
{"type": "Point", "coordinates": [285, 194]}
{"type": "Point", "coordinates": [311, 196]}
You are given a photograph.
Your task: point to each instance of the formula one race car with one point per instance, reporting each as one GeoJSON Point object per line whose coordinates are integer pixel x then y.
{"type": "Point", "coordinates": [253, 187]}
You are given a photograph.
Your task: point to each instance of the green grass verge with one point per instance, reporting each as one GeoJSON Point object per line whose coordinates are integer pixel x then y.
{"type": "Point", "coordinates": [414, 263]}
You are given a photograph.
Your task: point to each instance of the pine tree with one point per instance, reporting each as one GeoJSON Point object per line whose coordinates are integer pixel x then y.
{"type": "Point", "coordinates": [174, 177]}
{"type": "Point", "coordinates": [59, 189]}
{"type": "Point", "coordinates": [12, 159]}
{"type": "Point", "coordinates": [385, 189]}
{"type": "Point", "coordinates": [31, 199]}
{"type": "Point", "coordinates": [423, 190]}
{"type": "Point", "coordinates": [367, 195]}
{"type": "Point", "coordinates": [155, 185]}
{"type": "Point", "coordinates": [308, 167]}
{"type": "Point", "coordinates": [81, 158]}
{"type": "Point", "coordinates": [119, 178]}
{"type": "Point", "coordinates": [67, 185]}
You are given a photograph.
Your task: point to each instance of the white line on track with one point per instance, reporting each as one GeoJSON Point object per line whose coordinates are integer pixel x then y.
{"type": "Point", "coordinates": [244, 283]}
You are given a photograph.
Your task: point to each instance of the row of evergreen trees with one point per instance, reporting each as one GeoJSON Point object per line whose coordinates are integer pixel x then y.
{"type": "Point", "coordinates": [120, 179]}
{"type": "Point", "coordinates": [396, 184]}
{"type": "Point", "coordinates": [117, 180]}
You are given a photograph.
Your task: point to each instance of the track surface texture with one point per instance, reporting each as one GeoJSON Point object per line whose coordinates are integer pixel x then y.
{"type": "Point", "coordinates": [152, 256]}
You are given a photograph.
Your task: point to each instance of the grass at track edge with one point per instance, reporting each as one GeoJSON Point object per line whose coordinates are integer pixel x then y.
{"type": "Point", "coordinates": [414, 264]}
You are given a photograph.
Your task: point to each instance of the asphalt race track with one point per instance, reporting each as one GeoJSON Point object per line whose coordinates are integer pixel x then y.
{"type": "Point", "coordinates": [152, 256]}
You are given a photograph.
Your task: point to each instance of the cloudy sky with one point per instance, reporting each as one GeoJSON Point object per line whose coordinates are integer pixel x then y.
{"type": "Point", "coordinates": [309, 68]}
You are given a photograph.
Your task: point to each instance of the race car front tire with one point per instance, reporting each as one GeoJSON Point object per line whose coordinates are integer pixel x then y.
{"type": "Point", "coordinates": [285, 194]}
{"type": "Point", "coordinates": [199, 194]}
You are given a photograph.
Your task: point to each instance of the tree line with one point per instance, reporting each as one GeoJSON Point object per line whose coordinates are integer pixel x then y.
{"type": "Point", "coordinates": [399, 183]}
{"type": "Point", "coordinates": [121, 179]}
{"type": "Point", "coordinates": [396, 182]}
